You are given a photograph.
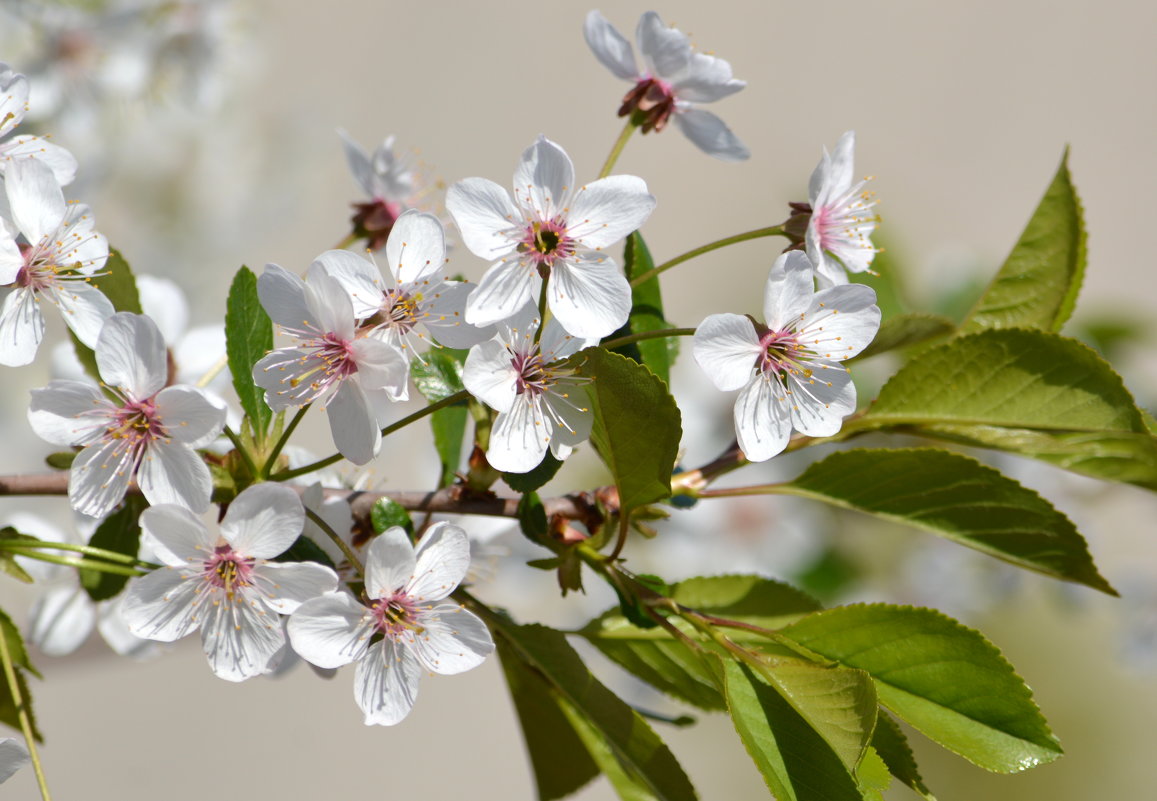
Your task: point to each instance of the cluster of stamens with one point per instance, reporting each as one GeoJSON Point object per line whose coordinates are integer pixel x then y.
{"type": "Point", "coordinates": [395, 615]}
{"type": "Point", "coordinates": [228, 570]}
{"type": "Point", "coordinates": [544, 242]}
{"type": "Point", "coordinates": [331, 362]}
{"type": "Point", "coordinates": [652, 103]}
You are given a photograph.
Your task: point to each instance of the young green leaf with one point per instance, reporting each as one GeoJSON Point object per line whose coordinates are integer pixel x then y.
{"type": "Point", "coordinates": [387, 513]}
{"type": "Point", "coordinates": [8, 561]}
{"type": "Point", "coordinates": [646, 313]}
{"type": "Point", "coordinates": [943, 678]}
{"type": "Point", "coordinates": [891, 745]}
{"type": "Point", "coordinates": [958, 498]}
{"type": "Point", "coordinates": [248, 337]}
{"type": "Point", "coordinates": [1037, 286]}
{"type": "Point", "coordinates": [438, 375]}
{"type": "Point", "coordinates": [120, 532]}
{"type": "Point", "coordinates": [9, 710]}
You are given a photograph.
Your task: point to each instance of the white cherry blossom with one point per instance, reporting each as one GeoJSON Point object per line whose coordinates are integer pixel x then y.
{"type": "Point", "coordinates": [145, 429]}
{"type": "Point", "coordinates": [13, 756]}
{"type": "Point", "coordinates": [407, 626]}
{"type": "Point", "coordinates": [60, 255]}
{"type": "Point", "coordinates": [14, 91]}
{"type": "Point", "coordinates": [540, 405]}
{"type": "Point", "coordinates": [552, 229]}
{"type": "Point", "coordinates": [675, 77]}
{"type": "Point", "coordinates": [224, 583]}
{"type": "Point", "coordinates": [392, 183]}
{"type": "Point", "coordinates": [842, 219]}
{"type": "Point", "coordinates": [332, 361]}
{"type": "Point", "coordinates": [789, 369]}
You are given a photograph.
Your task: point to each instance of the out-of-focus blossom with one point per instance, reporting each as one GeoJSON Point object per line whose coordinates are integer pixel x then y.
{"type": "Point", "coordinates": [13, 106]}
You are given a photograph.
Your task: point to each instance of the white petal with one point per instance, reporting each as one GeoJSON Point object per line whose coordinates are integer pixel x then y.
{"type": "Point", "coordinates": [842, 321]}
{"type": "Point", "coordinates": [453, 640]}
{"type": "Point", "coordinates": [788, 293]}
{"type": "Point", "coordinates": [115, 631]}
{"type": "Point", "coordinates": [331, 630]}
{"type": "Point", "coordinates": [163, 300]}
{"type": "Point", "coordinates": [277, 373]}
{"type": "Point", "coordinates": [85, 309]}
{"type": "Point", "coordinates": [390, 563]}
{"type": "Point", "coordinates": [589, 298]}
{"type": "Point", "coordinates": [708, 133]}
{"type": "Point", "coordinates": [35, 198]}
{"type": "Point", "coordinates": [706, 80]}
{"type": "Point", "coordinates": [442, 559]}
{"type": "Point", "coordinates": [240, 638]}
{"type": "Point", "coordinates": [172, 472]}
{"type": "Point", "coordinates": [762, 419]}
{"type": "Point", "coordinates": [819, 180]}
{"type": "Point", "coordinates": [489, 375]}
{"type": "Point", "coordinates": [842, 172]}
{"type": "Point", "coordinates": [382, 366]}
{"type": "Point", "coordinates": [359, 162]}
{"type": "Point", "coordinates": [21, 328]}
{"type": "Point", "coordinates": [14, 91]}
{"type": "Point", "coordinates": [189, 416]}
{"type": "Point", "coordinates": [610, 47]}
{"type": "Point", "coordinates": [666, 51]}
{"type": "Point", "coordinates": [61, 620]}
{"type": "Point", "coordinates": [177, 536]}
{"type": "Point", "coordinates": [131, 354]}
{"type": "Point", "coordinates": [282, 295]}
{"type": "Point", "coordinates": [11, 261]}
{"type": "Point", "coordinates": [570, 411]}
{"type": "Point", "coordinates": [519, 438]}
{"type": "Point", "coordinates": [54, 410]}
{"type": "Point", "coordinates": [353, 423]}
{"type": "Point", "coordinates": [287, 585]}
{"type": "Point", "coordinates": [330, 308]}
{"type": "Point", "coordinates": [445, 316]}
{"type": "Point", "coordinates": [163, 605]}
{"type": "Point", "coordinates": [263, 521]}
{"type": "Point", "coordinates": [99, 477]}
{"type": "Point", "coordinates": [820, 403]}
{"type": "Point", "coordinates": [558, 343]}
{"type": "Point", "coordinates": [13, 756]}
{"type": "Point", "coordinates": [505, 288]}
{"type": "Point", "coordinates": [358, 277]}
{"type": "Point", "coordinates": [416, 248]}
{"type": "Point", "coordinates": [544, 179]}
{"type": "Point", "coordinates": [485, 216]}
{"type": "Point", "coordinates": [37, 148]}
{"type": "Point", "coordinates": [606, 210]}
{"type": "Point", "coordinates": [386, 683]}
{"type": "Point", "coordinates": [727, 348]}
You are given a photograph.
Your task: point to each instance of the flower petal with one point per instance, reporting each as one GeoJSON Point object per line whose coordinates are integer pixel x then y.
{"type": "Point", "coordinates": [21, 328]}
{"type": "Point", "coordinates": [35, 199]}
{"type": "Point", "coordinates": [390, 563]}
{"type": "Point", "coordinates": [416, 248]}
{"type": "Point", "coordinates": [189, 416]}
{"type": "Point", "coordinates": [115, 631]}
{"type": "Point", "coordinates": [485, 216]}
{"type": "Point", "coordinates": [353, 423]}
{"type": "Point", "coordinates": [172, 472]}
{"type": "Point", "coordinates": [489, 375]}
{"type": "Point", "coordinates": [99, 477]}
{"type": "Point", "coordinates": [131, 354]}
{"type": "Point", "coordinates": [505, 288]}
{"type": "Point", "coordinates": [666, 51]}
{"type": "Point", "coordinates": [788, 293]}
{"type": "Point", "coordinates": [519, 438]}
{"type": "Point", "coordinates": [590, 298]}
{"type": "Point", "coordinates": [453, 640]}
{"type": "Point", "coordinates": [358, 276]}
{"type": "Point", "coordinates": [821, 402]}
{"type": "Point", "coordinates": [163, 605]}
{"type": "Point", "coordinates": [604, 211]}
{"type": "Point", "coordinates": [543, 180]}
{"type": "Point", "coordinates": [240, 638]}
{"type": "Point", "coordinates": [263, 521]}
{"type": "Point", "coordinates": [842, 321]}
{"type": "Point", "coordinates": [382, 366]}
{"type": "Point", "coordinates": [282, 295]}
{"type": "Point", "coordinates": [85, 310]}
{"type": "Point", "coordinates": [707, 79]}
{"type": "Point", "coordinates": [61, 620]}
{"type": "Point", "coordinates": [709, 133]}
{"type": "Point", "coordinates": [56, 158]}
{"type": "Point", "coordinates": [441, 561]}
{"type": "Point", "coordinates": [177, 537]}
{"type": "Point", "coordinates": [762, 418]}
{"type": "Point", "coordinates": [445, 316]}
{"type": "Point", "coordinates": [287, 585]}
{"type": "Point", "coordinates": [13, 756]}
{"type": "Point", "coordinates": [386, 683]}
{"type": "Point", "coordinates": [610, 47]}
{"type": "Point", "coordinates": [67, 412]}
{"type": "Point", "coordinates": [727, 348]}
{"type": "Point", "coordinates": [14, 91]}
{"type": "Point", "coordinates": [330, 308]}
{"type": "Point", "coordinates": [331, 630]}
{"type": "Point", "coordinates": [358, 161]}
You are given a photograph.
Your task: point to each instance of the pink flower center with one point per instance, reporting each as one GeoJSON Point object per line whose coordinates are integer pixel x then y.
{"type": "Point", "coordinates": [532, 376]}
{"type": "Point", "coordinates": [544, 241]}
{"type": "Point", "coordinates": [652, 102]}
{"type": "Point", "coordinates": [39, 271]}
{"type": "Point", "coordinates": [228, 570]}
{"type": "Point", "coordinates": [400, 311]}
{"type": "Point", "coordinates": [395, 614]}
{"type": "Point", "coordinates": [781, 352]}
{"type": "Point", "coordinates": [137, 421]}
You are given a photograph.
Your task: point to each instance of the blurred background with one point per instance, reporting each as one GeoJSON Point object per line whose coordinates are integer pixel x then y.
{"type": "Point", "coordinates": [206, 135]}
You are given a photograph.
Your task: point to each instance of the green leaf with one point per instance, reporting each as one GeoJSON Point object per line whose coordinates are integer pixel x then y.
{"type": "Point", "coordinates": [905, 331]}
{"type": "Point", "coordinates": [958, 498]}
{"type": "Point", "coordinates": [795, 762]}
{"type": "Point", "coordinates": [8, 561]}
{"type": "Point", "coordinates": [943, 678]}
{"type": "Point", "coordinates": [558, 755]}
{"type": "Point", "coordinates": [61, 460]}
{"type": "Point", "coordinates": [387, 513]}
{"type": "Point", "coordinates": [438, 375]}
{"type": "Point", "coordinates": [120, 532]}
{"type": "Point", "coordinates": [873, 777]}
{"type": "Point", "coordinates": [637, 425]}
{"type": "Point", "coordinates": [248, 337]}
{"type": "Point", "coordinates": [891, 745]}
{"type": "Point", "coordinates": [536, 478]}
{"type": "Point", "coordinates": [9, 711]}
{"type": "Point", "coordinates": [532, 517]}
{"type": "Point", "coordinates": [16, 648]}
{"type": "Point", "coordinates": [120, 287]}
{"type": "Point", "coordinates": [1037, 286]}
{"type": "Point", "coordinates": [646, 313]}
{"type": "Point", "coordinates": [641, 754]}
{"type": "Point", "coordinates": [626, 786]}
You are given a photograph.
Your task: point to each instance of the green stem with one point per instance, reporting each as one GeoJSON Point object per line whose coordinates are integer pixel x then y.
{"type": "Point", "coordinates": [22, 713]}
{"type": "Point", "coordinates": [72, 561]}
{"type": "Point", "coordinates": [350, 238]}
{"type": "Point", "coordinates": [279, 446]}
{"type": "Point", "coordinates": [737, 492]}
{"type": "Point", "coordinates": [449, 400]}
{"type": "Point", "coordinates": [241, 449]}
{"type": "Point", "coordinates": [337, 540]}
{"type": "Point", "coordinates": [618, 342]}
{"type": "Point", "coordinates": [775, 230]}
{"type": "Point", "coordinates": [88, 550]}
{"type": "Point", "coordinates": [212, 372]}
{"type": "Point", "coordinates": [543, 311]}
{"type": "Point", "coordinates": [617, 148]}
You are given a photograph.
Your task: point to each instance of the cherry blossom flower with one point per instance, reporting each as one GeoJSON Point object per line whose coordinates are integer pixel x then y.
{"type": "Point", "coordinates": [61, 253]}
{"type": "Point", "coordinates": [420, 298]}
{"type": "Point", "coordinates": [789, 369]}
{"type": "Point", "coordinates": [13, 756]}
{"type": "Point", "coordinates": [674, 78]}
{"type": "Point", "coordinates": [149, 431]}
{"type": "Point", "coordinates": [841, 217]}
{"type": "Point", "coordinates": [391, 182]}
{"type": "Point", "coordinates": [539, 403]}
{"type": "Point", "coordinates": [224, 583]}
{"type": "Point", "coordinates": [332, 361]}
{"type": "Point", "coordinates": [14, 92]}
{"type": "Point", "coordinates": [551, 230]}
{"type": "Point", "coordinates": [406, 627]}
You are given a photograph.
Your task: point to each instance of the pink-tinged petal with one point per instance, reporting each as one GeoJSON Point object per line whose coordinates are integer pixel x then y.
{"type": "Point", "coordinates": [486, 218]}
{"type": "Point", "coordinates": [100, 477]}
{"type": "Point", "coordinates": [820, 403]}
{"type": "Point", "coordinates": [37, 148]}
{"type": "Point", "coordinates": [505, 288]}
{"type": "Point", "coordinates": [10, 259]}
{"type": "Point", "coordinates": [331, 630]}
{"type": "Point", "coordinates": [54, 410]}
{"type": "Point", "coordinates": [263, 521]}
{"type": "Point", "coordinates": [666, 51]}
{"type": "Point", "coordinates": [610, 47]}
{"type": "Point", "coordinates": [35, 199]}
{"type": "Point", "coordinates": [13, 756]}
{"type": "Point", "coordinates": [287, 585]}
{"type": "Point", "coordinates": [489, 375]}
{"type": "Point", "coordinates": [519, 438]}
{"type": "Point", "coordinates": [358, 277]}
{"type": "Point", "coordinates": [240, 638]}
{"type": "Point", "coordinates": [14, 93]}
{"type": "Point", "coordinates": [727, 348]}
{"type": "Point", "coordinates": [282, 295]}
{"type": "Point", "coordinates": [788, 293]}
{"type": "Point", "coordinates": [709, 133]}
{"type": "Point", "coordinates": [706, 80]}
{"type": "Point", "coordinates": [164, 605]}
{"type": "Point", "coordinates": [189, 416]}
{"type": "Point", "coordinates": [544, 179]}
{"type": "Point", "coordinates": [382, 366]}
{"type": "Point", "coordinates": [353, 423]}
{"type": "Point", "coordinates": [441, 561]}
{"type": "Point", "coordinates": [416, 248]}
{"type": "Point", "coordinates": [762, 419]}
{"type": "Point", "coordinates": [172, 472]}
{"type": "Point", "coordinates": [841, 321]}
{"type": "Point", "coordinates": [131, 354]}
{"type": "Point", "coordinates": [177, 537]}
{"type": "Point", "coordinates": [386, 683]}
{"type": "Point", "coordinates": [329, 305]}
{"type": "Point", "coordinates": [85, 310]}
{"type": "Point", "coordinates": [21, 328]}
{"type": "Point", "coordinates": [163, 300]}
{"type": "Point", "coordinates": [445, 317]}
{"type": "Point", "coordinates": [61, 620]}
{"type": "Point", "coordinates": [390, 563]}
{"type": "Point", "coordinates": [589, 298]}
{"type": "Point", "coordinates": [453, 640]}
{"type": "Point", "coordinates": [359, 162]}
{"type": "Point", "coordinates": [606, 210]}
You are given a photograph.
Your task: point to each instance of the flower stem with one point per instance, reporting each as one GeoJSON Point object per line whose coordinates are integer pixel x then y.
{"type": "Point", "coordinates": [279, 446]}
{"type": "Point", "coordinates": [88, 550]}
{"type": "Point", "coordinates": [72, 561]}
{"type": "Point", "coordinates": [241, 449]}
{"type": "Point", "coordinates": [349, 239]}
{"type": "Point", "coordinates": [543, 311]}
{"type": "Point", "coordinates": [212, 372]}
{"type": "Point", "coordinates": [775, 230]}
{"type": "Point", "coordinates": [618, 342]}
{"type": "Point", "coordinates": [22, 713]}
{"type": "Point", "coordinates": [337, 540]}
{"type": "Point", "coordinates": [617, 148]}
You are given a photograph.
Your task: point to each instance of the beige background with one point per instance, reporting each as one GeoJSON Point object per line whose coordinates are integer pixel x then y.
{"type": "Point", "coordinates": [962, 110]}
